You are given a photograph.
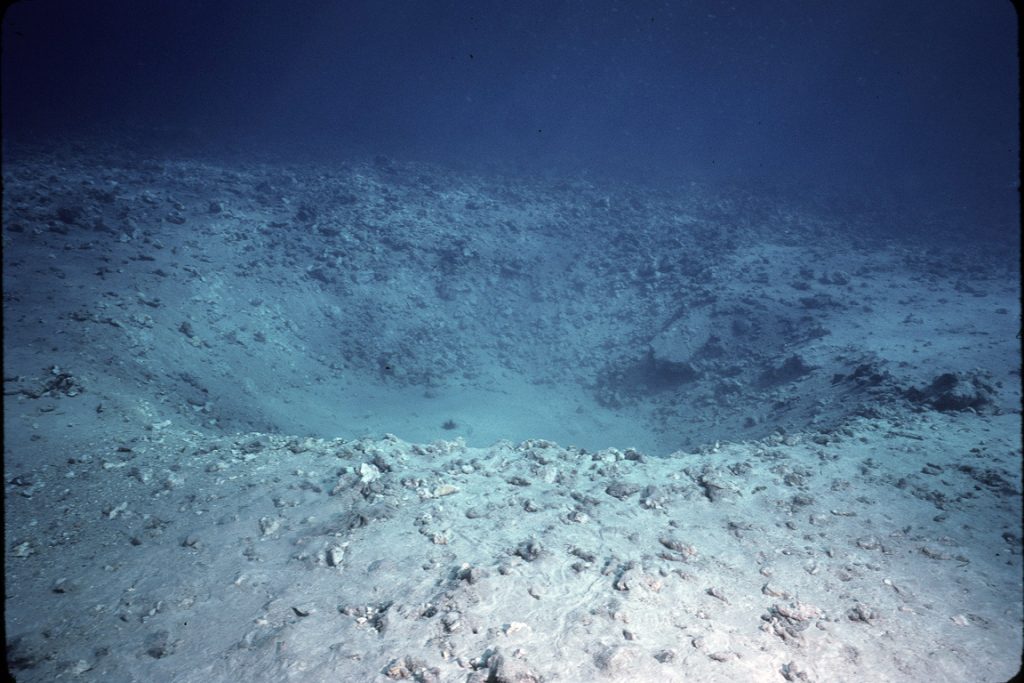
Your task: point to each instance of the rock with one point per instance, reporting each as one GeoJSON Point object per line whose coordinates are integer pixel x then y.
{"type": "Point", "coordinates": [793, 368]}
{"type": "Point", "coordinates": [862, 613]}
{"type": "Point", "coordinates": [268, 525]}
{"type": "Point", "coordinates": [368, 473]}
{"type": "Point", "coordinates": [64, 585]}
{"type": "Point", "coordinates": [621, 490]}
{"type": "Point", "coordinates": [996, 481]}
{"type": "Point", "coordinates": [790, 620]}
{"type": "Point", "coordinates": [716, 592]}
{"type": "Point", "coordinates": [159, 644]}
{"type": "Point", "coordinates": [410, 668]}
{"type": "Point", "coordinates": [304, 610]}
{"type": "Point", "coordinates": [723, 655]}
{"type": "Point", "coordinates": [27, 652]}
{"type": "Point", "coordinates": [685, 550]}
{"type": "Point", "coordinates": [445, 490]}
{"type": "Point", "coordinates": [678, 343]}
{"type": "Point", "coordinates": [793, 672]}
{"type": "Point", "coordinates": [528, 550]}
{"type": "Point", "coordinates": [953, 391]}
{"type": "Point", "coordinates": [505, 669]}
{"type": "Point", "coordinates": [116, 510]}
{"type": "Point", "coordinates": [715, 487]}
{"type": "Point", "coordinates": [23, 549]}
{"type": "Point", "coordinates": [617, 659]}
{"type": "Point", "coordinates": [335, 555]}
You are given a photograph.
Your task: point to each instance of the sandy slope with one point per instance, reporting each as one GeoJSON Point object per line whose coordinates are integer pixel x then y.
{"type": "Point", "coordinates": [885, 550]}
{"type": "Point", "coordinates": [818, 432]}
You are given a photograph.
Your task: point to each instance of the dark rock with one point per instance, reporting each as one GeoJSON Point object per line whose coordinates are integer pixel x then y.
{"type": "Point", "coordinates": [621, 490]}
{"type": "Point", "coordinates": [528, 550]}
{"type": "Point", "coordinates": [159, 644]}
{"type": "Point", "coordinates": [69, 214]}
{"type": "Point", "coordinates": [820, 301]}
{"type": "Point", "coordinates": [991, 478]}
{"type": "Point", "coordinates": [792, 369]}
{"type": "Point", "coordinates": [617, 660]}
{"type": "Point", "coordinates": [509, 670]}
{"type": "Point", "coordinates": [681, 340]}
{"type": "Point", "coordinates": [952, 391]}
{"type": "Point", "coordinates": [26, 652]}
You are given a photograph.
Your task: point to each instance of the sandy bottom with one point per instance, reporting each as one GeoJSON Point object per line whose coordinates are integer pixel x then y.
{"type": "Point", "coordinates": [816, 473]}
{"type": "Point", "coordinates": [884, 550]}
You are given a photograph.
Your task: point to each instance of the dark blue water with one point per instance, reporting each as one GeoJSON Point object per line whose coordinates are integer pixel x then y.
{"type": "Point", "coordinates": [906, 108]}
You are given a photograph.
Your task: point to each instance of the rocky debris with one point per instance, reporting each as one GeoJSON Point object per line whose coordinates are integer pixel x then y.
{"type": "Point", "coordinates": [621, 489]}
{"type": "Point", "coordinates": [791, 671]}
{"type": "Point", "coordinates": [417, 609]}
{"type": "Point", "coordinates": [529, 550]}
{"type": "Point", "coordinates": [955, 391]}
{"type": "Point", "coordinates": [501, 668]}
{"type": "Point", "coordinates": [159, 644]}
{"type": "Point", "coordinates": [862, 613]}
{"type": "Point", "coordinates": [789, 621]}
{"type": "Point", "coordinates": [385, 274]}
{"type": "Point", "coordinates": [793, 368]}
{"type": "Point", "coordinates": [993, 479]}
{"type": "Point", "coordinates": [56, 382]}
{"type": "Point", "coordinates": [409, 668]}
{"type": "Point", "coordinates": [714, 484]}
{"type": "Point", "coordinates": [182, 536]}
{"type": "Point", "coordinates": [679, 343]}
{"type": "Point", "coordinates": [869, 374]}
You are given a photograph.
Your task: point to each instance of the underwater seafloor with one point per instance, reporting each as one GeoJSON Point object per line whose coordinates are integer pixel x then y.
{"type": "Point", "coordinates": [376, 421]}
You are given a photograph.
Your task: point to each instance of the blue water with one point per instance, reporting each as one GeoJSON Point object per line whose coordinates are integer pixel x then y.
{"type": "Point", "coordinates": [899, 107]}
